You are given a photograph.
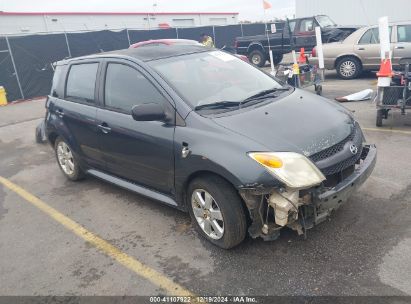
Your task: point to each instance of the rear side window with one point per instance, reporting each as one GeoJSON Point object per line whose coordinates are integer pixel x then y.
{"type": "Point", "coordinates": [126, 87]}
{"type": "Point", "coordinates": [81, 82]}
{"type": "Point", "coordinates": [56, 79]}
{"type": "Point", "coordinates": [292, 26]}
{"type": "Point", "coordinates": [404, 33]}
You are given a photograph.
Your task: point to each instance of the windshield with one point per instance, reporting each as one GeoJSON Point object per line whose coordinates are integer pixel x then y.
{"type": "Point", "coordinates": [325, 21]}
{"type": "Point", "coordinates": [213, 77]}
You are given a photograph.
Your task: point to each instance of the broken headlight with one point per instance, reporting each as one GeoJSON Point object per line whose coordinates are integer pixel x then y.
{"type": "Point", "coordinates": [293, 169]}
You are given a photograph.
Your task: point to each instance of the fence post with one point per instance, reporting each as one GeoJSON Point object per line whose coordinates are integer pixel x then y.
{"type": "Point", "coordinates": [241, 27]}
{"type": "Point", "coordinates": [128, 37]}
{"type": "Point", "coordinates": [177, 32]}
{"type": "Point", "coordinates": [67, 43]}
{"type": "Point", "coordinates": [14, 66]}
{"type": "Point", "coordinates": [215, 41]}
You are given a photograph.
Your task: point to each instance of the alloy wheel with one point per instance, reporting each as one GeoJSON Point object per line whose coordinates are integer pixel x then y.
{"type": "Point", "coordinates": [208, 214]}
{"type": "Point", "coordinates": [65, 158]}
{"type": "Point", "coordinates": [348, 68]}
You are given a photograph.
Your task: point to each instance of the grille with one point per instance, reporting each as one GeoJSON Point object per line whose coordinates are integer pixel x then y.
{"type": "Point", "coordinates": [326, 153]}
{"type": "Point", "coordinates": [356, 137]}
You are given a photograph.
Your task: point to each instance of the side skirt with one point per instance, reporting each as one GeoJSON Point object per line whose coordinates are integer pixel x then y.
{"type": "Point", "coordinates": [133, 187]}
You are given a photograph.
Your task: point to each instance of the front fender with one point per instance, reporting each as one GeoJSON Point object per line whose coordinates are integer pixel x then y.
{"type": "Point", "coordinates": [217, 150]}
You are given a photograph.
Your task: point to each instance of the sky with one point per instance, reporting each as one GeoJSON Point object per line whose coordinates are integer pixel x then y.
{"type": "Point", "coordinates": [249, 9]}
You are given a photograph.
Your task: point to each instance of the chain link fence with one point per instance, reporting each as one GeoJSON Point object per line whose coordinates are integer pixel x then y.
{"type": "Point", "coordinates": [26, 69]}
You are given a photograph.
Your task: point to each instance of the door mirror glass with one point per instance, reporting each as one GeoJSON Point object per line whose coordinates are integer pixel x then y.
{"type": "Point", "coordinates": [148, 112]}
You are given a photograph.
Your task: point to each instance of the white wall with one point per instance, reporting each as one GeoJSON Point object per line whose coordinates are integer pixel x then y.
{"type": "Point", "coordinates": [355, 12]}
{"type": "Point", "coordinates": [29, 24]}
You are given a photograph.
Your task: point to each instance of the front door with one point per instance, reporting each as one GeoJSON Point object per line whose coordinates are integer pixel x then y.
{"type": "Point", "coordinates": [305, 34]}
{"type": "Point", "coordinates": [139, 151]}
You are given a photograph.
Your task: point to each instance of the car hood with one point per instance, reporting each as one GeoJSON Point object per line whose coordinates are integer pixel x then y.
{"type": "Point", "coordinates": [300, 122]}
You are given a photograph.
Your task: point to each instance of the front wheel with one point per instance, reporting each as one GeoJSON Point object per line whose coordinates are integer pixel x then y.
{"type": "Point", "coordinates": [349, 68]}
{"type": "Point", "coordinates": [217, 212]}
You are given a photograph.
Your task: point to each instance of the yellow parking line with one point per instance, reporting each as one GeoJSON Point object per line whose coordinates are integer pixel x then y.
{"type": "Point", "coordinates": [139, 268]}
{"type": "Point", "coordinates": [387, 130]}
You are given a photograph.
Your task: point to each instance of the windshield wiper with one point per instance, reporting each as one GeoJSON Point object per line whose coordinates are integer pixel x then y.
{"type": "Point", "coordinates": [218, 105]}
{"type": "Point", "coordinates": [263, 94]}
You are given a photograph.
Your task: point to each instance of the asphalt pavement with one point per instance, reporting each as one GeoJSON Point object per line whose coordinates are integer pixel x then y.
{"type": "Point", "coordinates": [364, 249]}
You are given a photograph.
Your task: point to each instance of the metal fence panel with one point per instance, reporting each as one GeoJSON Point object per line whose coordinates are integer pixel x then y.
{"type": "Point", "coordinates": [33, 56]}
{"type": "Point", "coordinates": [7, 74]}
{"type": "Point", "coordinates": [96, 42]}
{"type": "Point", "coordinates": [142, 35]}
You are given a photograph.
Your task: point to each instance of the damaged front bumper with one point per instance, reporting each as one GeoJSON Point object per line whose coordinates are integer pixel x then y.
{"type": "Point", "coordinates": [272, 209]}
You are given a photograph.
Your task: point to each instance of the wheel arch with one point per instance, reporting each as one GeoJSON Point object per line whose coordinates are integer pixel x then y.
{"type": "Point", "coordinates": [255, 46]}
{"type": "Point", "coordinates": [203, 173]}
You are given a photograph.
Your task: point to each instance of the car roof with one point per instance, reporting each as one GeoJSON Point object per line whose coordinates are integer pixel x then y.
{"type": "Point", "coordinates": [164, 41]}
{"type": "Point", "coordinates": [147, 53]}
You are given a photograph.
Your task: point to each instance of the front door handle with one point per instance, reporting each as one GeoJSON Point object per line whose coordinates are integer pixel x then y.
{"type": "Point", "coordinates": [400, 47]}
{"type": "Point", "coordinates": [104, 128]}
{"type": "Point", "coordinates": [60, 113]}
{"type": "Point", "coordinates": [361, 49]}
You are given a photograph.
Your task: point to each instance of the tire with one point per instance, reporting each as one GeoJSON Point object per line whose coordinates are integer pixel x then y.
{"type": "Point", "coordinates": [277, 58]}
{"type": "Point", "coordinates": [319, 89]}
{"type": "Point", "coordinates": [227, 224]}
{"type": "Point", "coordinates": [348, 67]}
{"type": "Point", "coordinates": [257, 58]}
{"type": "Point", "coordinates": [66, 161]}
{"type": "Point", "coordinates": [380, 113]}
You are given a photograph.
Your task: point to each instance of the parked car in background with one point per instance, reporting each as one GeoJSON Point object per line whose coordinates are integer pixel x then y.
{"type": "Point", "coordinates": [240, 154]}
{"type": "Point", "coordinates": [294, 34]}
{"type": "Point", "coordinates": [361, 50]}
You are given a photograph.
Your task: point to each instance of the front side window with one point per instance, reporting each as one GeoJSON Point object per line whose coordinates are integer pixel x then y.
{"type": "Point", "coordinates": [404, 33]}
{"type": "Point", "coordinates": [306, 25]}
{"type": "Point", "coordinates": [212, 77]}
{"type": "Point", "coordinates": [81, 82]}
{"type": "Point", "coordinates": [126, 87]}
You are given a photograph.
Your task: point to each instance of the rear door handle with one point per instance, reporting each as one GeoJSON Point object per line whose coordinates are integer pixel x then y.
{"type": "Point", "coordinates": [400, 47]}
{"type": "Point", "coordinates": [361, 49]}
{"type": "Point", "coordinates": [104, 128]}
{"type": "Point", "coordinates": [60, 113]}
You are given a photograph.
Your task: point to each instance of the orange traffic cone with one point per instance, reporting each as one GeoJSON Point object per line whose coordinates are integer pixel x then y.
{"type": "Point", "coordinates": [385, 68]}
{"type": "Point", "coordinates": [302, 59]}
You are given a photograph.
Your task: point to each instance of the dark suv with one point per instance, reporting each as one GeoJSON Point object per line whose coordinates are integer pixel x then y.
{"type": "Point", "coordinates": [203, 131]}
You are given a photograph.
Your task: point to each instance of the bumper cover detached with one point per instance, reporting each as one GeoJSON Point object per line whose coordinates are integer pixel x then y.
{"type": "Point", "coordinates": [324, 202]}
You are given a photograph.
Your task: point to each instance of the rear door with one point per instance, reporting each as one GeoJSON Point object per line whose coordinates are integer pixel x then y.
{"type": "Point", "coordinates": [138, 151]}
{"type": "Point", "coordinates": [402, 46]}
{"type": "Point", "coordinates": [77, 111]}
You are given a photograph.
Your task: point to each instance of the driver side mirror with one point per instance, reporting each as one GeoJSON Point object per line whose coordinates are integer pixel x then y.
{"type": "Point", "coordinates": [148, 112]}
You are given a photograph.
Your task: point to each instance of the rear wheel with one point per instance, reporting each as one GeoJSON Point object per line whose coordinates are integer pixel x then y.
{"type": "Point", "coordinates": [216, 211]}
{"type": "Point", "coordinates": [349, 67]}
{"type": "Point", "coordinates": [257, 58]}
{"type": "Point", "coordinates": [67, 163]}
{"type": "Point", "coordinates": [380, 114]}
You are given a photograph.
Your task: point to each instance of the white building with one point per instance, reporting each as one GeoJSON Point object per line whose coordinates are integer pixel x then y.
{"type": "Point", "coordinates": [355, 12]}
{"type": "Point", "coordinates": [44, 22]}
